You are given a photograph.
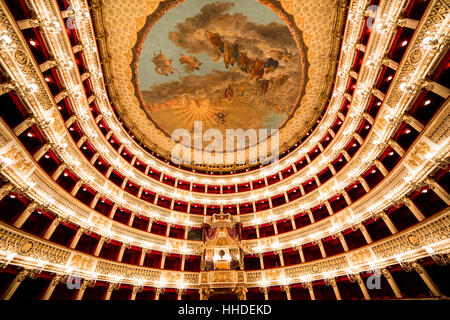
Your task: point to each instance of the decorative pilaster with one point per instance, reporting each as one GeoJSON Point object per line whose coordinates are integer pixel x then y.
{"type": "Point", "coordinates": [142, 257]}
{"type": "Point", "coordinates": [357, 278]}
{"type": "Point", "coordinates": [438, 190]}
{"type": "Point", "coordinates": [135, 291]}
{"type": "Point", "coordinates": [158, 293]}
{"type": "Point", "coordinates": [266, 293]}
{"type": "Point", "coordinates": [280, 255]}
{"type": "Point", "coordinates": [180, 293]}
{"type": "Point", "coordinates": [59, 171]}
{"type": "Point", "coordinates": [24, 125]}
{"type": "Point", "coordinates": [261, 260]}
{"type": "Point", "coordinates": [241, 292]}
{"type": "Point", "coordinates": [390, 279]}
{"type": "Point", "coordinates": [365, 233]}
{"type": "Point", "coordinates": [76, 238]}
{"type": "Point", "coordinates": [310, 287]}
{"type": "Point", "coordinates": [42, 151]}
{"type": "Point", "coordinates": [383, 215]}
{"type": "Point", "coordinates": [163, 259]}
{"type": "Point", "coordinates": [51, 287]}
{"type": "Point", "coordinates": [343, 242]}
{"type": "Point", "coordinates": [22, 275]}
{"type": "Point", "coordinates": [111, 288]}
{"type": "Point", "coordinates": [51, 229]}
{"type": "Point", "coordinates": [332, 282]}
{"type": "Point", "coordinates": [5, 190]}
{"type": "Point", "coordinates": [99, 246]}
{"type": "Point", "coordinates": [25, 215]}
{"type": "Point", "coordinates": [287, 289]}
{"type": "Point", "coordinates": [427, 279]}
{"type": "Point", "coordinates": [84, 285]}
{"type": "Point", "coordinates": [413, 208]}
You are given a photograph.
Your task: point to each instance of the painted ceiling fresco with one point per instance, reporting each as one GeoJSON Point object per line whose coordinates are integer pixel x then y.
{"type": "Point", "coordinates": [230, 64]}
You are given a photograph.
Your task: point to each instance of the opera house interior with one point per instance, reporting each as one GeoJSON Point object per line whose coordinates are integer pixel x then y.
{"type": "Point", "coordinates": [351, 202]}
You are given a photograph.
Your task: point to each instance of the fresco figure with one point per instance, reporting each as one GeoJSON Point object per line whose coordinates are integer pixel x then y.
{"type": "Point", "coordinates": [256, 69]}
{"type": "Point", "coordinates": [270, 65]}
{"type": "Point", "coordinates": [285, 56]}
{"type": "Point", "coordinates": [263, 86]}
{"type": "Point", "coordinates": [216, 41]}
{"type": "Point", "coordinates": [280, 80]}
{"type": "Point", "coordinates": [229, 93]}
{"type": "Point", "coordinates": [231, 54]}
{"type": "Point", "coordinates": [243, 62]}
{"type": "Point", "coordinates": [163, 66]}
{"type": "Point", "coordinates": [190, 61]}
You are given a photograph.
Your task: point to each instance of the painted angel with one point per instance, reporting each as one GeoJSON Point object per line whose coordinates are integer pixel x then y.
{"type": "Point", "coordinates": [163, 66]}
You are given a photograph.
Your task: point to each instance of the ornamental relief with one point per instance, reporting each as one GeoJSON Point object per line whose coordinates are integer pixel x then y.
{"type": "Point", "coordinates": [439, 132]}
{"type": "Point", "coordinates": [431, 233]}
{"type": "Point", "coordinates": [253, 277]}
{"type": "Point", "coordinates": [175, 216]}
{"type": "Point", "coordinates": [267, 243]}
{"type": "Point", "coordinates": [361, 257]}
{"type": "Point", "coordinates": [121, 271]}
{"type": "Point", "coordinates": [100, 222]}
{"type": "Point", "coordinates": [418, 156]}
{"type": "Point", "coordinates": [191, 278]}
{"type": "Point", "coordinates": [13, 242]}
{"type": "Point", "coordinates": [81, 262]}
{"type": "Point", "coordinates": [204, 277]}
{"type": "Point", "coordinates": [175, 244]}
{"type": "Point", "coordinates": [21, 57]}
{"type": "Point", "coordinates": [26, 247]}
{"type": "Point", "coordinates": [328, 187]}
{"type": "Point", "coordinates": [5, 137]}
{"type": "Point", "coordinates": [434, 232]}
{"type": "Point", "coordinates": [19, 162]}
{"type": "Point", "coordinates": [112, 190]}
{"type": "Point", "coordinates": [58, 125]}
{"type": "Point", "coordinates": [172, 277]}
{"type": "Point", "coordinates": [338, 220]}
{"type": "Point", "coordinates": [222, 277]}
{"type": "Point", "coordinates": [414, 240]}
{"type": "Point", "coordinates": [272, 275]}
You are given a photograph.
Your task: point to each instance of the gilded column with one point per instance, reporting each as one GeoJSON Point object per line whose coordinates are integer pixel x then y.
{"type": "Point", "coordinates": [427, 279]}
{"type": "Point", "coordinates": [392, 283]}
{"type": "Point", "coordinates": [22, 275]}
{"type": "Point", "coordinates": [51, 287]}
{"type": "Point", "coordinates": [111, 288]}
{"type": "Point", "coordinates": [310, 287]}
{"type": "Point", "coordinates": [25, 215]}
{"type": "Point", "coordinates": [441, 193]}
{"type": "Point", "coordinates": [332, 282]}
